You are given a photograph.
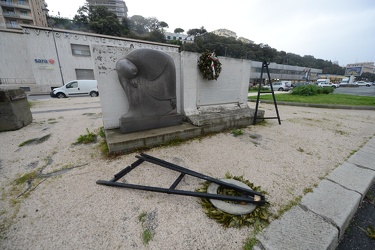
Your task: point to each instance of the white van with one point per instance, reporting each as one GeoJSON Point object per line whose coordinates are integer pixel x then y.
{"type": "Point", "coordinates": [77, 88]}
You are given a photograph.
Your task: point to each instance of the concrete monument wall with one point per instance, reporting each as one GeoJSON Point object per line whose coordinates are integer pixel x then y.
{"type": "Point", "coordinates": [113, 98]}
{"type": "Point", "coordinates": [197, 99]}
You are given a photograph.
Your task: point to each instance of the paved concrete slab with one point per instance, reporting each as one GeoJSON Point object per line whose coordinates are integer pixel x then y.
{"type": "Point", "coordinates": [333, 202]}
{"type": "Point", "coordinates": [363, 158]}
{"type": "Point", "coordinates": [298, 229]}
{"type": "Point", "coordinates": [352, 177]}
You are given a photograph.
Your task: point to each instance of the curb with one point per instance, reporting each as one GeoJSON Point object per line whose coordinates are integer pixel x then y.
{"type": "Point", "coordinates": [319, 221]}
{"type": "Point", "coordinates": [312, 105]}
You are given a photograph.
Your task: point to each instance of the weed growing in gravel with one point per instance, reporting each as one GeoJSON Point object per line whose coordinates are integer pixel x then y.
{"type": "Point", "coordinates": [250, 243]}
{"type": "Point", "coordinates": [237, 132]}
{"type": "Point", "coordinates": [369, 231]}
{"type": "Point", "coordinates": [147, 233]}
{"type": "Point", "coordinates": [307, 190]}
{"type": "Point", "coordinates": [87, 138]}
{"type": "Point", "coordinates": [340, 132]}
{"type": "Point", "coordinates": [101, 132]}
{"type": "Point", "coordinates": [288, 206]}
{"type": "Point", "coordinates": [300, 150]}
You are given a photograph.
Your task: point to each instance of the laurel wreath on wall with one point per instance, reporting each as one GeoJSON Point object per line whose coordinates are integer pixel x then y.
{"type": "Point", "coordinates": [209, 65]}
{"type": "Point", "coordinates": [259, 218]}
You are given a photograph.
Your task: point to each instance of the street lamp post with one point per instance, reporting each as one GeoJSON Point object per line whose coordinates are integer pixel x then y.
{"type": "Point", "coordinates": [57, 54]}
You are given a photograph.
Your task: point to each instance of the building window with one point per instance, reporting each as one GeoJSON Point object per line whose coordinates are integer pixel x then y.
{"type": "Point", "coordinates": [23, 13]}
{"type": "Point", "coordinates": [85, 74]}
{"type": "Point", "coordinates": [80, 50]}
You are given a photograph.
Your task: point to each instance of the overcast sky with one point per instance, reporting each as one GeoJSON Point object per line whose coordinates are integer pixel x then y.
{"type": "Point", "coordinates": [336, 30]}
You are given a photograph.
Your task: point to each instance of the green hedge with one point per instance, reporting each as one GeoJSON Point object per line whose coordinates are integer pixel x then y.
{"type": "Point", "coordinates": [310, 90]}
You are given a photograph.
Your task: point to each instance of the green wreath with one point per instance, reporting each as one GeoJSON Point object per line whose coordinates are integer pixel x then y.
{"type": "Point", "coordinates": [259, 218]}
{"type": "Point", "coordinates": [209, 65]}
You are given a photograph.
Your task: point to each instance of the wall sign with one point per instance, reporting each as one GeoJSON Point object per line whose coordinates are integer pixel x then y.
{"type": "Point", "coordinates": [51, 61]}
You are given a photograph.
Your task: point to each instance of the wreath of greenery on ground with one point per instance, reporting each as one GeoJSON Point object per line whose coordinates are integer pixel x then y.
{"type": "Point", "coordinates": [259, 218]}
{"type": "Point", "coordinates": [209, 65]}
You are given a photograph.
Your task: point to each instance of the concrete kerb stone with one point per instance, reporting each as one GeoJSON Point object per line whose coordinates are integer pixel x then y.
{"type": "Point", "coordinates": [353, 178]}
{"type": "Point", "coordinates": [365, 157]}
{"type": "Point", "coordinates": [298, 229]}
{"type": "Point", "coordinates": [334, 203]}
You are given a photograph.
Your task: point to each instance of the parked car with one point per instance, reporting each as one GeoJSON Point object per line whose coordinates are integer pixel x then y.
{"type": "Point", "coordinates": [326, 83]}
{"type": "Point", "coordinates": [282, 85]}
{"type": "Point", "coordinates": [363, 83]}
{"type": "Point", "coordinates": [76, 88]}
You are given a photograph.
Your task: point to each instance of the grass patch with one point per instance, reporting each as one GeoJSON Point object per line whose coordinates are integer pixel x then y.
{"type": "Point", "coordinates": [333, 99]}
{"type": "Point", "coordinates": [35, 140]}
{"type": "Point", "coordinates": [26, 177]}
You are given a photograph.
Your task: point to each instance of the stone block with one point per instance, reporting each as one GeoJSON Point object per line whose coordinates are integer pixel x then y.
{"type": "Point", "coordinates": [14, 109]}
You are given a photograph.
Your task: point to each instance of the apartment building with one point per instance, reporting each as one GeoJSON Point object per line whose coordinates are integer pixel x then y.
{"type": "Point", "coordinates": [116, 6]}
{"type": "Point", "coordinates": [14, 13]}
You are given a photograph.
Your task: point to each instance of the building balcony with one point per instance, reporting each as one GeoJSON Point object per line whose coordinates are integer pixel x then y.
{"type": "Point", "coordinates": [17, 16]}
{"type": "Point", "coordinates": [15, 5]}
{"type": "Point", "coordinates": [11, 15]}
{"type": "Point", "coordinates": [13, 26]}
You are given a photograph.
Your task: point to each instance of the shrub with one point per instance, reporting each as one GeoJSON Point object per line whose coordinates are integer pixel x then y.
{"type": "Point", "coordinates": [310, 90]}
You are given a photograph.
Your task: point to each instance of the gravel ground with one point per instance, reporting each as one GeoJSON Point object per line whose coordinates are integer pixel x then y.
{"type": "Point", "coordinates": [68, 210]}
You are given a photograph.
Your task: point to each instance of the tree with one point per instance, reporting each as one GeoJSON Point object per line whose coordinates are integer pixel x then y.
{"type": "Point", "coordinates": [102, 21]}
{"type": "Point", "coordinates": [138, 24]}
{"type": "Point", "coordinates": [197, 32]}
{"type": "Point", "coordinates": [163, 25]}
{"type": "Point", "coordinates": [60, 22]}
{"type": "Point", "coordinates": [98, 19]}
{"type": "Point", "coordinates": [155, 36]}
{"type": "Point", "coordinates": [178, 30]}
{"type": "Point", "coordinates": [81, 19]}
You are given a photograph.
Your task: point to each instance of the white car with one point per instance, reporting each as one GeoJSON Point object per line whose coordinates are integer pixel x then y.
{"type": "Point", "coordinates": [362, 83]}
{"type": "Point", "coordinates": [282, 86]}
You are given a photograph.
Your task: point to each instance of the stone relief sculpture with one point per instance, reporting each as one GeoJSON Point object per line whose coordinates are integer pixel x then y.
{"type": "Point", "coordinates": [148, 78]}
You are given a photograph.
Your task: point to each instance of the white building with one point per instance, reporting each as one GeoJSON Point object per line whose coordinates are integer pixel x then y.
{"type": "Point", "coordinates": [179, 37]}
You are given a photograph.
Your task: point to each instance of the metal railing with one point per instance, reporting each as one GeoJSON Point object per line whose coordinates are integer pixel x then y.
{"type": "Point", "coordinates": [17, 81]}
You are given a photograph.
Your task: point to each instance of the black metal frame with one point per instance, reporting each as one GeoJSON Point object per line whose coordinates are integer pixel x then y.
{"type": "Point", "coordinates": [265, 66]}
{"type": "Point", "coordinates": [249, 196]}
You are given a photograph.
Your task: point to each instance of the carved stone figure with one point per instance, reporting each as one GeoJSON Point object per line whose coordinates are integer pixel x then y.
{"type": "Point", "coordinates": [148, 78]}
